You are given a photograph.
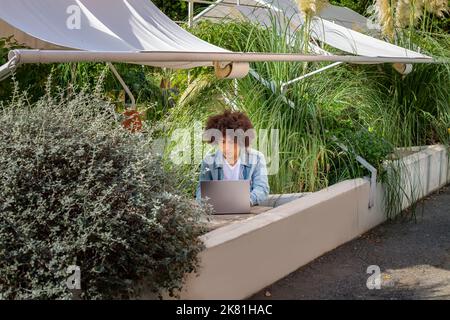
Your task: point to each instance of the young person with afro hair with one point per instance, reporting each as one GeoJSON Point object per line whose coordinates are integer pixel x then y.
{"type": "Point", "coordinates": [232, 132]}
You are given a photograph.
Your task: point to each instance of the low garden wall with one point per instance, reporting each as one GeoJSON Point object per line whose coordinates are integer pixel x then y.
{"type": "Point", "coordinates": [242, 258]}
{"type": "Point", "coordinates": [424, 171]}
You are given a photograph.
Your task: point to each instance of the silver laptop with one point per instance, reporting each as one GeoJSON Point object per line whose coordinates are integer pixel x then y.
{"type": "Point", "coordinates": [227, 196]}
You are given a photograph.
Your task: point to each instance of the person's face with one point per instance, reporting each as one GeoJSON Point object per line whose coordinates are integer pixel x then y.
{"type": "Point", "coordinates": [228, 147]}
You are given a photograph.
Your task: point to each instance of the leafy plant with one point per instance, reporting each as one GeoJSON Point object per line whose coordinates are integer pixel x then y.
{"type": "Point", "coordinates": [376, 107]}
{"type": "Point", "coordinates": [176, 10]}
{"type": "Point", "coordinates": [32, 77]}
{"type": "Point", "coordinates": [78, 189]}
{"type": "Point", "coordinates": [366, 144]}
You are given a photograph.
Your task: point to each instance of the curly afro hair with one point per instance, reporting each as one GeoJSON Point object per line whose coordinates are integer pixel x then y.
{"type": "Point", "coordinates": [233, 120]}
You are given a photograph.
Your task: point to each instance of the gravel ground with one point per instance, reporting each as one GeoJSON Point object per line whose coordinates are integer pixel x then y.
{"type": "Point", "coordinates": [414, 259]}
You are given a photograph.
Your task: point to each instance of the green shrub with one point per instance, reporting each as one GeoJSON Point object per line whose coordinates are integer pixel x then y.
{"type": "Point", "coordinates": [176, 10]}
{"type": "Point", "coordinates": [32, 76]}
{"type": "Point", "coordinates": [365, 143]}
{"type": "Point", "coordinates": [143, 81]}
{"type": "Point", "coordinates": [400, 111]}
{"type": "Point", "coordinates": [78, 189]}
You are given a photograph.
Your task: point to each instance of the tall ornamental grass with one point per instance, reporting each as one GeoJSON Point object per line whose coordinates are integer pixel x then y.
{"type": "Point", "coordinates": [369, 109]}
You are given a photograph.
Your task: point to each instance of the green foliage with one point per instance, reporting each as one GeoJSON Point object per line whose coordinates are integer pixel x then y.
{"type": "Point", "coordinates": [78, 189]}
{"type": "Point", "coordinates": [414, 109]}
{"type": "Point", "coordinates": [32, 77]}
{"type": "Point", "coordinates": [143, 82]}
{"type": "Point", "coordinates": [5, 44]}
{"type": "Point", "coordinates": [396, 110]}
{"type": "Point", "coordinates": [176, 10]}
{"type": "Point", "coordinates": [367, 144]}
{"type": "Point", "coordinates": [404, 111]}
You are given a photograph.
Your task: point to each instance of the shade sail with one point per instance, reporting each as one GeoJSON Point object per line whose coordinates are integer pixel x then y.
{"type": "Point", "coordinates": [348, 18]}
{"type": "Point", "coordinates": [6, 30]}
{"type": "Point", "coordinates": [104, 25]}
{"type": "Point", "coordinates": [335, 26]}
{"type": "Point", "coordinates": [136, 31]}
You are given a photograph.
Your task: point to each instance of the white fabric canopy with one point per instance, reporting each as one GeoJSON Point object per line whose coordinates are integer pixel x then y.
{"type": "Point", "coordinates": [136, 31]}
{"type": "Point", "coordinates": [105, 25]}
{"type": "Point", "coordinates": [330, 26]}
{"type": "Point", "coordinates": [348, 18]}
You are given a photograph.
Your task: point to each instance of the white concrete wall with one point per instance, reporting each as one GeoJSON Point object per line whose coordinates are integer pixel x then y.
{"type": "Point", "coordinates": [243, 258]}
{"type": "Point", "coordinates": [424, 172]}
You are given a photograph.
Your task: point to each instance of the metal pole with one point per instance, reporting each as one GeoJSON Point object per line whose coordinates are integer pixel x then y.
{"type": "Point", "coordinates": [208, 9]}
{"type": "Point", "coordinates": [143, 57]}
{"type": "Point", "coordinates": [228, 4]}
{"type": "Point", "coordinates": [190, 13]}
{"type": "Point", "coordinates": [271, 86]}
{"type": "Point", "coordinates": [284, 85]}
{"type": "Point", "coordinates": [5, 71]}
{"type": "Point", "coordinates": [368, 166]}
{"type": "Point", "coordinates": [124, 85]}
{"type": "Point", "coordinates": [8, 68]}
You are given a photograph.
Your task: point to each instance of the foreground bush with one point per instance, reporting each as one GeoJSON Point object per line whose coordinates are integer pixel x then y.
{"type": "Point", "coordinates": [77, 189]}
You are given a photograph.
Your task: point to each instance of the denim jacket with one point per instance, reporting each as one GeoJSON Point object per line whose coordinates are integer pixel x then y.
{"type": "Point", "coordinates": [253, 168]}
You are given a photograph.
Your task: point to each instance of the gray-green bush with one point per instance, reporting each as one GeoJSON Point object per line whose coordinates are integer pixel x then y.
{"type": "Point", "coordinates": [78, 189]}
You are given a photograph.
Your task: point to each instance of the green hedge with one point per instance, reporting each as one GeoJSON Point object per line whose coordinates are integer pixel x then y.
{"type": "Point", "coordinates": [78, 189]}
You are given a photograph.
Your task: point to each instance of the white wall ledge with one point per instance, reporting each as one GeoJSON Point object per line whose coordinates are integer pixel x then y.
{"type": "Point", "coordinates": [242, 258]}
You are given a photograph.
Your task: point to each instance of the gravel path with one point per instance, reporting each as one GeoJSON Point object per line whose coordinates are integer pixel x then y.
{"type": "Point", "coordinates": [414, 259]}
